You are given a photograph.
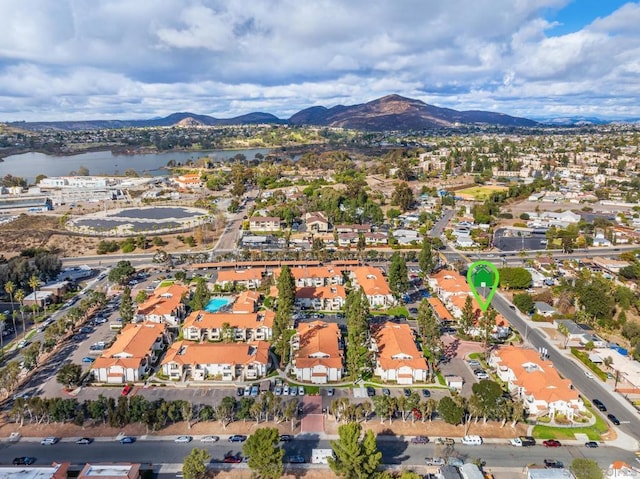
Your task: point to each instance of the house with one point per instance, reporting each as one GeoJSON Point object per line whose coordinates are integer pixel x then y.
{"type": "Point", "coordinates": [396, 355]}
{"type": "Point", "coordinates": [374, 285]}
{"type": "Point", "coordinates": [379, 238]}
{"type": "Point", "coordinates": [569, 328]}
{"type": "Point", "coordinates": [39, 298]}
{"type": "Point", "coordinates": [544, 309]}
{"type": "Point", "coordinates": [264, 223]}
{"type": "Point", "coordinates": [217, 361]}
{"type": "Point", "coordinates": [250, 278]}
{"type": "Point", "coordinates": [346, 240]}
{"type": "Point", "coordinates": [130, 358]}
{"type": "Point", "coordinates": [202, 326]}
{"type": "Point", "coordinates": [536, 382]}
{"type": "Point", "coordinates": [164, 305]}
{"type": "Point", "coordinates": [246, 302]}
{"type": "Point", "coordinates": [121, 470]}
{"type": "Point", "coordinates": [353, 228]}
{"type": "Point", "coordinates": [75, 273]}
{"type": "Point", "coordinates": [314, 276]}
{"type": "Point", "coordinates": [324, 298]}
{"type": "Point", "coordinates": [622, 470]}
{"type": "Point", "coordinates": [58, 289]}
{"type": "Point", "coordinates": [189, 181]}
{"type": "Point", "coordinates": [405, 237]}
{"type": "Point", "coordinates": [447, 283]}
{"type": "Point", "coordinates": [317, 222]}
{"type": "Point", "coordinates": [317, 352]}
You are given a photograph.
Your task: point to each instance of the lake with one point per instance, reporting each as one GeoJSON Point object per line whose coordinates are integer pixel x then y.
{"type": "Point", "coordinates": [30, 165]}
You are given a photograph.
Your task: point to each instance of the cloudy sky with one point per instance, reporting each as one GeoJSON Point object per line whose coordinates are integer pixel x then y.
{"type": "Point", "coordinates": [126, 59]}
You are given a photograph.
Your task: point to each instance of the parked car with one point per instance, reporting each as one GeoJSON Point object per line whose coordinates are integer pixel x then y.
{"type": "Point", "coordinates": [240, 392]}
{"type": "Point", "coordinates": [434, 461]}
{"type": "Point", "coordinates": [591, 444]}
{"type": "Point", "coordinates": [597, 403]}
{"type": "Point", "coordinates": [301, 391]}
{"type": "Point", "coordinates": [23, 461]}
{"type": "Point", "coordinates": [247, 391]}
{"type": "Point", "coordinates": [386, 392]}
{"type": "Point", "coordinates": [613, 419]}
{"type": "Point", "coordinates": [296, 459]}
{"type": "Point", "coordinates": [330, 392]}
{"type": "Point", "coordinates": [237, 438]}
{"type": "Point", "coordinates": [285, 390]}
{"type": "Point", "coordinates": [88, 359]}
{"type": "Point", "coordinates": [183, 439]}
{"type": "Point", "coordinates": [446, 441]}
{"type": "Point", "coordinates": [127, 440]}
{"type": "Point", "coordinates": [370, 391]}
{"type": "Point", "coordinates": [420, 440]}
{"type": "Point", "coordinates": [293, 391]}
{"type": "Point", "coordinates": [254, 391]}
{"type": "Point", "coordinates": [232, 459]}
{"type": "Point", "coordinates": [407, 392]}
{"type": "Point", "coordinates": [426, 393]}
{"type": "Point", "coordinates": [84, 440]}
{"type": "Point", "coordinates": [209, 439]}
{"type": "Point", "coordinates": [551, 443]}
{"type": "Point", "coordinates": [553, 464]}
{"type": "Point", "coordinates": [278, 391]}
{"type": "Point", "coordinates": [286, 437]}
{"type": "Point", "coordinates": [454, 461]}
{"type": "Point", "coordinates": [49, 441]}
{"type": "Point", "coordinates": [126, 389]}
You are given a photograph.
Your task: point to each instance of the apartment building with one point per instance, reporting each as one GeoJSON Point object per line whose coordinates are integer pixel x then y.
{"type": "Point", "coordinates": [317, 352]}
{"type": "Point", "coordinates": [203, 326]}
{"type": "Point", "coordinates": [396, 355]}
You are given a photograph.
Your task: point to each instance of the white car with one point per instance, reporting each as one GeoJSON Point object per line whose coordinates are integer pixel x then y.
{"type": "Point", "coordinates": [209, 439]}
{"type": "Point", "coordinates": [589, 374]}
{"type": "Point", "coordinates": [49, 441]}
{"type": "Point", "coordinates": [183, 439]}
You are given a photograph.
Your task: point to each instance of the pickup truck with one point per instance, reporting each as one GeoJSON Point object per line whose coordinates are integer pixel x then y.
{"type": "Point", "coordinates": [523, 441]}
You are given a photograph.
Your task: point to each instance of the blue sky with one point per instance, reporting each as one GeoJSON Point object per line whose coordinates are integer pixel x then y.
{"type": "Point", "coordinates": [105, 59]}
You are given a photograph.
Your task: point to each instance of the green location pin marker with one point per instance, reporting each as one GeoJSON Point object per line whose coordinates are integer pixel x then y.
{"type": "Point", "coordinates": [483, 279]}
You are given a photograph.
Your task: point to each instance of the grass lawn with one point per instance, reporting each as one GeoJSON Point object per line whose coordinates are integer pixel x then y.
{"type": "Point", "coordinates": [593, 432]}
{"type": "Point", "coordinates": [481, 192]}
{"type": "Point", "coordinates": [395, 311]}
{"type": "Point", "coordinates": [166, 283]}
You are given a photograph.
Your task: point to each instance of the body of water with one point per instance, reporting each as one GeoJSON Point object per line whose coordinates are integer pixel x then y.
{"type": "Point", "coordinates": [30, 165]}
{"type": "Point", "coordinates": [215, 304]}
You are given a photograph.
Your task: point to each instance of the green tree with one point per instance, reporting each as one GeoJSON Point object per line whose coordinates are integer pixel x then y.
{"type": "Point", "coordinates": [596, 299]}
{"type": "Point", "coordinates": [468, 317]}
{"type": "Point", "coordinates": [586, 469]}
{"type": "Point", "coordinates": [524, 302]}
{"type": "Point", "coordinates": [355, 458]}
{"type": "Point", "coordinates": [285, 302]}
{"type": "Point", "coordinates": [69, 375]}
{"type": "Point", "coordinates": [141, 297]}
{"type": "Point", "coordinates": [488, 393]}
{"type": "Point", "coordinates": [265, 455]}
{"type": "Point", "coordinates": [356, 311]}
{"type": "Point", "coordinates": [429, 331]}
{"type": "Point", "coordinates": [126, 306]}
{"type": "Point", "coordinates": [201, 295]}
{"type": "Point", "coordinates": [487, 325]}
{"type": "Point", "coordinates": [194, 465]}
{"type": "Point", "coordinates": [402, 196]}
{"type": "Point", "coordinates": [451, 412]}
{"type": "Point", "coordinates": [398, 274]}
{"type": "Point", "coordinates": [515, 278]}
{"type": "Point", "coordinates": [426, 261]}
{"type": "Point", "coordinates": [121, 272]}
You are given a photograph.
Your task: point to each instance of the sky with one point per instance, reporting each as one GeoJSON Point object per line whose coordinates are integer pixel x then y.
{"type": "Point", "coordinates": [136, 59]}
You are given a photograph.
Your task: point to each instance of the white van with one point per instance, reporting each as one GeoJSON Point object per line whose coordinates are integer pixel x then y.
{"type": "Point", "coordinates": [472, 440]}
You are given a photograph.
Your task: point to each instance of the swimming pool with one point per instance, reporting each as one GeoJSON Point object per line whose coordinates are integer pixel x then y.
{"type": "Point", "coordinates": [216, 304]}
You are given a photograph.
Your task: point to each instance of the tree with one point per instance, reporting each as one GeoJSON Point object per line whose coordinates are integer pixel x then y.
{"type": "Point", "coordinates": [515, 278]}
{"type": "Point", "coordinates": [194, 465]}
{"type": "Point", "coordinates": [69, 375]}
{"type": "Point", "coordinates": [354, 458]}
{"type": "Point", "coordinates": [285, 302]}
{"type": "Point", "coordinates": [488, 393]}
{"type": "Point", "coordinates": [141, 297]}
{"type": "Point", "coordinates": [451, 412]}
{"type": "Point", "coordinates": [201, 295]}
{"type": "Point", "coordinates": [398, 274]}
{"type": "Point", "coordinates": [468, 315]}
{"type": "Point", "coordinates": [402, 196]}
{"type": "Point", "coordinates": [265, 455]}
{"type": "Point", "coordinates": [19, 296]}
{"type": "Point", "coordinates": [356, 311]}
{"type": "Point", "coordinates": [524, 302]}
{"type": "Point", "coordinates": [126, 306]}
{"type": "Point", "coordinates": [9, 288]}
{"type": "Point", "coordinates": [586, 469]}
{"type": "Point", "coordinates": [121, 272]}
{"type": "Point", "coordinates": [429, 331]}
{"type": "Point", "coordinates": [34, 282]}
{"type": "Point", "coordinates": [426, 261]}
{"type": "Point", "coordinates": [487, 324]}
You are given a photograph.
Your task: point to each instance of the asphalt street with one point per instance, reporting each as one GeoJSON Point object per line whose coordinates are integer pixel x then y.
{"type": "Point", "coordinates": [395, 450]}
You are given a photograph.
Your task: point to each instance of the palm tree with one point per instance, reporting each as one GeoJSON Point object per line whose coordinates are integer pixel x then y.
{"type": "Point", "coordinates": [20, 299]}
{"type": "Point", "coordinates": [3, 317]}
{"type": "Point", "coordinates": [34, 282]}
{"type": "Point", "coordinates": [9, 288]}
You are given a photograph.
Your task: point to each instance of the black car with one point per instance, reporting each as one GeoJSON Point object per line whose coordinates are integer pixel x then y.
{"type": "Point", "coordinates": [597, 403]}
{"type": "Point", "coordinates": [591, 444]}
{"type": "Point", "coordinates": [286, 437]}
{"type": "Point", "coordinates": [371, 392]}
{"type": "Point", "coordinates": [553, 464]}
{"type": "Point", "coordinates": [407, 392]}
{"type": "Point", "coordinates": [237, 438]}
{"type": "Point", "coordinates": [23, 461]}
{"type": "Point", "coordinates": [240, 392]}
{"type": "Point", "coordinates": [613, 419]}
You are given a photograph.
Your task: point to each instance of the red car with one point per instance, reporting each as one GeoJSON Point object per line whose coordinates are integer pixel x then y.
{"type": "Point", "coordinates": [233, 459]}
{"type": "Point", "coordinates": [551, 443]}
{"type": "Point", "coordinates": [126, 390]}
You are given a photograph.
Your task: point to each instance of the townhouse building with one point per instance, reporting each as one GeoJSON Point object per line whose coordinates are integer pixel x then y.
{"type": "Point", "coordinates": [264, 223]}
{"type": "Point", "coordinates": [314, 276]}
{"type": "Point", "coordinates": [131, 356]}
{"type": "Point", "coordinates": [250, 278]}
{"type": "Point", "coordinates": [204, 326]}
{"type": "Point", "coordinates": [374, 285]}
{"type": "Point", "coordinates": [164, 305]}
{"type": "Point", "coordinates": [397, 357]}
{"type": "Point", "coordinates": [321, 298]}
{"type": "Point", "coordinates": [317, 351]}
{"type": "Point", "coordinates": [186, 360]}
{"type": "Point", "coordinates": [536, 382]}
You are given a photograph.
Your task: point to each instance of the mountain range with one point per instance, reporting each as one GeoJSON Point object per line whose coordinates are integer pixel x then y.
{"type": "Point", "coordinates": [392, 112]}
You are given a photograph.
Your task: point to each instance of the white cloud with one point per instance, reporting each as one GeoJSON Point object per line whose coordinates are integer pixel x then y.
{"type": "Point", "coordinates": [140, 58]}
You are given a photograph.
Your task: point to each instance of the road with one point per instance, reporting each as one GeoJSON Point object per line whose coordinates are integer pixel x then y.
{"type": "Point", "coordinates": [394, 451]}
{"type": "Point", "coordinates": [440, 225]}
{"type": "Point", "coordinates": [590, 388]}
